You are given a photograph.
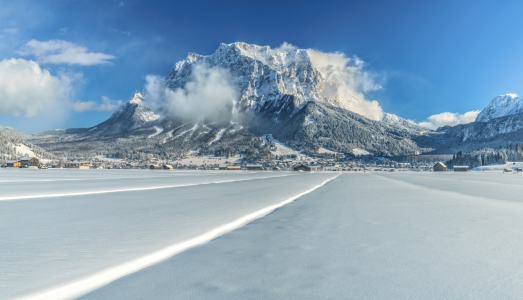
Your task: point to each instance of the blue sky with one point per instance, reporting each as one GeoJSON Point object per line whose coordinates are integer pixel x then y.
{"type": "Point", "coordinates": [429, 56]}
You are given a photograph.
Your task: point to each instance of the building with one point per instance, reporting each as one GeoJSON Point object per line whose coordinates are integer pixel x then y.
{"type": "Point", "coordinates": [222, 167]}
{"type": "Point", "coordinates": [83, 165]}
{"type": "Point", "coordinates": [29, 161]}
{"type": "Point", "coordinates": [254, 167]}
{"type": "Point", "coordinates": [155, 167]}
{"type": "Point", "coordinates": [519, 170]}
{"type": "Point", "coordinates": [168, 167]}
{"type": "Point", "coordinates": [13, 164]}
{"type": "Point", "coordinates": [235, 168]}
{"type": "Point", "coordinates": [507, 170]}
{"type": "Point", "coordinates": [439, 167]}
{"type": "Point", "coordinates": [461, 168]}
{"type": "Point", "coordinates": [302, 168]}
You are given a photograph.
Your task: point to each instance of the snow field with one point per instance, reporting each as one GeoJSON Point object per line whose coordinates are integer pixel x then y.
{"type": "Point", "coordinates": [50, 242]}
{"type": "Point", "coordinates": [370, 236]}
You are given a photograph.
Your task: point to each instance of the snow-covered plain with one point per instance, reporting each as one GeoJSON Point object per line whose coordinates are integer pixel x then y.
{"type": "Point", "coordinates": [378, 235]}
{"type": "Point", "coordinates": [59, 226]}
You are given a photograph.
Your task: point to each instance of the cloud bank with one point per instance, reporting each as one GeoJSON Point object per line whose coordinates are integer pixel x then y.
{"type": "Point", "coordinates": [63, 52]}
{"type": "Point", "coordinates": [27, 89]}
{"type": "Point", "coordinates": [208, 96]}
{"type": "Point", "coordinates": [346, 82]}
{"type": "Point", "coordinates": [447, 118]}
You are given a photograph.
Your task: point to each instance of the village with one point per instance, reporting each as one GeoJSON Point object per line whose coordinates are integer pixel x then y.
{"type": "Point", "coordinates": [236, 163]}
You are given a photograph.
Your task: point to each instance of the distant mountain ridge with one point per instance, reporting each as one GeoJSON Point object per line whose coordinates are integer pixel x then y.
{"type": "Point", "coordinates": [280, 92]}
{"type": "Point", "coordinates": [501, 106]}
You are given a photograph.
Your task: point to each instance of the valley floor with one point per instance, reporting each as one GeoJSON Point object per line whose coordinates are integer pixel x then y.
{"type": "Point", "coordinates": [377, 235]}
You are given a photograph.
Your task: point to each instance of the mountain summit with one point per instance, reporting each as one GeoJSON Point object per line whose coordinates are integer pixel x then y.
{"type": "Point", "coordinates": [501, 106]}
{"type": "Point", "coordinates": [262, 75]}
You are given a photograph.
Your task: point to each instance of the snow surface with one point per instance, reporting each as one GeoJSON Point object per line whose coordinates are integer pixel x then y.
{"type": "Point", "coordinates": [219, 135]}
{"type": "Point", "coordinates": [405, 235]}
{"type": "Point", "coordinates": [158, 131]}
{"type": "Point", "coordinates": [63, 230]}
{"type": "Point", "coordinates": [378, 235]}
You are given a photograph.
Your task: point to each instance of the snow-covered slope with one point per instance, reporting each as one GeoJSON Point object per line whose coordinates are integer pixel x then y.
{"type": "Point", "coordinates": [401, 123]}
{"type": "Point", "coordinates": [501, 106]}
{"type": "Point", "coordinates": [14, 148]}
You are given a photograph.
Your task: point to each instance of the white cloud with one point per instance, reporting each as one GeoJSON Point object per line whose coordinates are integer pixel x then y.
{"type": "Point", "coordinates": [210, 95]}
{"type": "Point", "coordinates": [63, 52]}
{"type": "Point", "coordinates": [25, 88]}
{"type": "Point", "coordinates": [448, 118]}
{"type": "Point", "coordinates": [346, 82]}
{"type": "Point", "coordinates": [11, 30]}
{"type": "Point", "coordinates": [106, 105]}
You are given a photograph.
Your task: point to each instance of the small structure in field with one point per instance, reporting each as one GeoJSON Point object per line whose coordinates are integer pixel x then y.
{"type": "Point", "coordinates": [82, 165]}
{"type": "Point", "coordinates": [255, 167]}
{"type": "Point", "coordinates": [507, 171]}
{"type": "Point", "coordinates": [302, 167]}
{"type": "Point", "coordinates": [519, 170]}
{"type": "Point", "coordinates": [29, 161]}
{"type": "Point", "coordinates": [235, 168]}
{"type": "Point", "coordinates": [155, 167]}
{"type": "Point", "coordinates": [440, 167]}
{"type": "Point", "coordinates": [461, 168]}
{"type": "Point", "coordinates": [276, 169]}
{"type": "Point", "coordinates": [13, 164]}
{"type": "Point", "coordinates": [222, 167]}
{"type": "Point", "coordinates": [168, 167]}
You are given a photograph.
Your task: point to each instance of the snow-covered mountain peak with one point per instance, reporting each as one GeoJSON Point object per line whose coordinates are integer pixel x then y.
{"type": "Point", "coordinates": [262, 75]}
{"type": "Point", "coordinates": [501, 106]}
{"type": "Point", "coordinates": [137, 99]}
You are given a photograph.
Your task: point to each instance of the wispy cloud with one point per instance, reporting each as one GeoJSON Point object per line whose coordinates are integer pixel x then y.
{"type": "Point", "coordinates": [63, 52]}
{"type": "Point", "coordinates": [448, 118]}
{"type": "Point", "coordinates": [10, 30]}
{"type": "Point", "coordinates": [127, 33]}
{"type": "Point", "coordinates": [106, 105]}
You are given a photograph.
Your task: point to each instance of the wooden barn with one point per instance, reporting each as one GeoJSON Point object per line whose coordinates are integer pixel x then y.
{"type": "Point", "coordinates": [302, 168]}
{"type": "Point", "coordinates": [461, 168]}
{"type": "Point", "coordinates": [13, 164]}
{"type": "Point", "coordinates": [168, 167]}
{"type": "Point", "coordinates": [155, 167]}
{"type": "Point", "coordinates": [235, 168]}
{"type": "Point", "coordinates": [439, 167]}
{"type": "Point", "coordinates": [29, 161]}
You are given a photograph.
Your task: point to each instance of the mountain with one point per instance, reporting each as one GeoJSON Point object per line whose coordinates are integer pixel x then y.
{"type": "Point", "coordinates": [14, 148]}
{"type": "Point", "coordinates": [14, 133]}
{"type": "Point", "coordinates": [131, 115]}
{"type": "Point", "coordinates": [319, 124]}
{"type": "Point", "coordinates": [282, 91]}
{"type": "Point", "coordinates": [403, 124]}
{"type": "Point", "coordinates": [501, 106]}
{"type": "Point", "coordinates": [493, 133]}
